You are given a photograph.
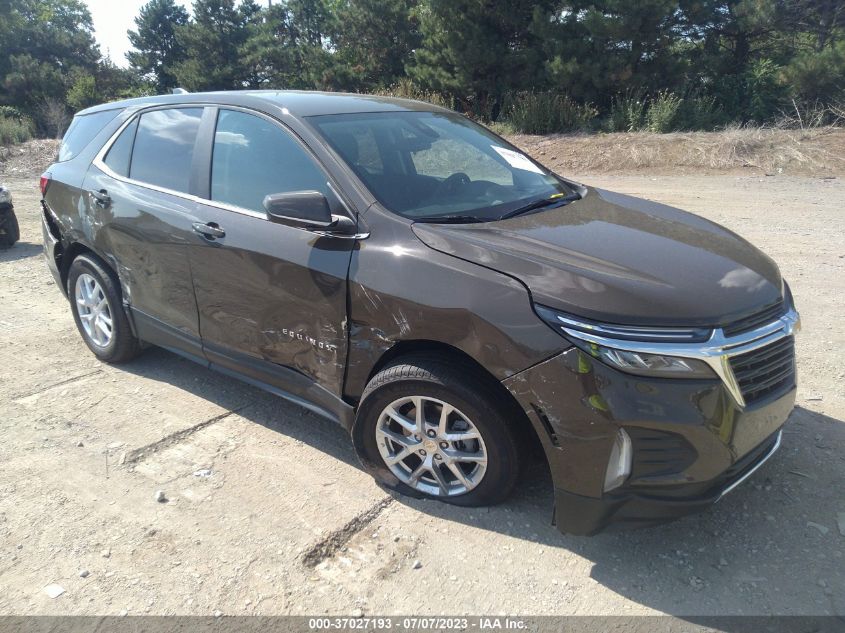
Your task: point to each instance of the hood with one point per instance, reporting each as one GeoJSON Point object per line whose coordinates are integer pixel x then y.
{"type": "Point", "coordinates": [620, 259]}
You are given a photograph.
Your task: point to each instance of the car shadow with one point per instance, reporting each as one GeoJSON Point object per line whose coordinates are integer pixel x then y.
{"type": "Point", "coordinates": [773, 546]}
{"type": "Point", "coordinates": [20, 250]}
{"type": "Point", "coordinates": [251, 403]}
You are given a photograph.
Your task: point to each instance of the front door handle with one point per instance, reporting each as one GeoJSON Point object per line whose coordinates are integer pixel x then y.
{"type": "Point", "coordinates": [211, 230]}
{"type": "Point", "coordinates": [101, 197]}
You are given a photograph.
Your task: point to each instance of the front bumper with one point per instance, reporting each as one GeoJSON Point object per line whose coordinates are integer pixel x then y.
{"type": "Point", "coordinates": [575, 514]}
{"type": "Point", "coordinates": [692, 443]}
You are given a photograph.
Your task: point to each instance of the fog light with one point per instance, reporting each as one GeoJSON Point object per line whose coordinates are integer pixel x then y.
{"type": "Point", "coordinates": [619, 464]}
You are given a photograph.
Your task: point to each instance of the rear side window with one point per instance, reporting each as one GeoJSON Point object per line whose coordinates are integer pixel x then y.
{"type": "Point", "coordinates": [82, 131]}
{"type": "Point", "coordinates": [120, 152]}
{"type": "Point", "coordinates": [254, 157]}
{"type": "Point", "coordinates": [164, 148]}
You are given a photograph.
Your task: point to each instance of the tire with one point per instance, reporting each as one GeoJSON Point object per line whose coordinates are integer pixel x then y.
{"type": "Point", "coordinates": [9, 230]}
{"type": "Point", "coordinates": [118, 347]}
{"type": "Point", "coordinates": [478, 404]}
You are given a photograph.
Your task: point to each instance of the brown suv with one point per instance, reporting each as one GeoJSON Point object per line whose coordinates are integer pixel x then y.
{"type": "Point", "coordinates": [402, 270]}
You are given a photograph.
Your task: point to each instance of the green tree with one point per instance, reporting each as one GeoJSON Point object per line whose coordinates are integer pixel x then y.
{"type": "Point", "coordinates": [42, 41]}
{"type": "Point", "coordinates": [375, 40]}
{"type": "Point", "coordinates": [597, 49]}
{"type": "Point", "coordinates": [477, 50]}
{"type": "Point", "coordinates": [822, 20]}
{"type": "Point", "coordinates": [817, 76]}
{"type": "Point", "coordinates": [215, 45]}
{"type": "Point", "coordinates": [157, 49]}
{"type": "Point", "coordinates": [732, 33]}
{"type": "Point", "coordinates": [292, 46]}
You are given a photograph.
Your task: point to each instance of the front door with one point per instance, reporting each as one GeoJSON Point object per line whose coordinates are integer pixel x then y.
{"type": "Point", "coordinates": [271, 298]}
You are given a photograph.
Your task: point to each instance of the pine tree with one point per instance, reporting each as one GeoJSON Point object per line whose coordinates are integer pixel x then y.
{"type": "Point", "coordinates": [214, 44]}
{"type": "Point", "coordinates": [375, 40]}
{"type": "Point", "coordinates": [157, 49]}
{"type": "Point", "coordinates": [479, 49]}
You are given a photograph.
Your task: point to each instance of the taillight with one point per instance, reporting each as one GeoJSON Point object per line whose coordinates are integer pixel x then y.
{"type": "Point", "coordinates": [45, 182]}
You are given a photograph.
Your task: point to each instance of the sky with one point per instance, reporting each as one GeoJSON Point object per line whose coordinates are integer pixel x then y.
{"type": "Point", "coordinates": [112, 18]}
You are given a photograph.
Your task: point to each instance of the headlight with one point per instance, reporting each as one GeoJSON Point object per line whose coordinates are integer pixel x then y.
{"type": "Point", "coordinates": [5, 195]}
{"type": "Point", "coordinates": [654, 364]}
{"type": "Point", "coordinates": [642, 360]}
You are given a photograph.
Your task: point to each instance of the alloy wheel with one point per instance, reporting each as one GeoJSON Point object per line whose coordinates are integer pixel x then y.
{"type": "Point", "coordinates": [431, 446]}
{"type": "Point", "coordinates": [94, 310]}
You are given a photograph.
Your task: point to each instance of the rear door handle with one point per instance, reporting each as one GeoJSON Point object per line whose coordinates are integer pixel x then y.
{"type": "Point", "coordinates": [101, 197]}
{"type": "Point", "coordinates": [211, 230]}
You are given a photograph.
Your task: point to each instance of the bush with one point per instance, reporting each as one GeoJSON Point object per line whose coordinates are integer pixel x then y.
{"type": "Point", "coordinates": [546, 112]}
{"type": "Point", "coordinates": [699, 112]}
{"type": "Point", "coordinates": [502, 128]}
{"type": "Point", "coordinates": [14, 130]}
{"type": "Point", "coordinates": [627, 112]}
{"type": "Point", "coordinates": [766, 94]}
{"type": "Point", "coordinates": [11, 112]}
{"type": "Point", "coordinates": [663, 110]}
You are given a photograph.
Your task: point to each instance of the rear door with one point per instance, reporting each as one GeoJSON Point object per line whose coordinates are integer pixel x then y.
{"type": "Point", "coordinates": [140, 195]}
{"type": "Point", "coordinates": [271, 298]}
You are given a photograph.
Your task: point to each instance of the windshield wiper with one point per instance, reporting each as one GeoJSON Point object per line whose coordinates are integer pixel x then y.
{"type": "Point", "coordinates": [544, 202]}
{"type": "Point", "coordinates": [449, 219]}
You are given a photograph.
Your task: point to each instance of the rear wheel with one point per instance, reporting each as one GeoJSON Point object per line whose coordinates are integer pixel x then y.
{"type": "Point", "coordinates": [9, 229]}
{"type": "Point", "coordinates": [431, 428]}
{"type": "Point", "coordinates": [98, 311]}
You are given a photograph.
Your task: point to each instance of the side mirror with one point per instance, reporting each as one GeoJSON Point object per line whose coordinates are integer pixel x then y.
{"type": "Point", "coordinates": [304, 209]}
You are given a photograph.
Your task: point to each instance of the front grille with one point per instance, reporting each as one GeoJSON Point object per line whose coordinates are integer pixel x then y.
{"type": "Point", "coordinates": [764, 316]}
{"type": "Point", "coordinates": [765, 371]}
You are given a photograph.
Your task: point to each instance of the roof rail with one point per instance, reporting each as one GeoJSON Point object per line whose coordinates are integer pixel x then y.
{"type": "Point", "coordinates": [179, 91]}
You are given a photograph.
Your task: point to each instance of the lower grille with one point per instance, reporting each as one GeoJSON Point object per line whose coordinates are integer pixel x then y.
{"type": "Point", "coordinates": [766, 371]}
{"type": "Point", "coordinates": [659, 453]}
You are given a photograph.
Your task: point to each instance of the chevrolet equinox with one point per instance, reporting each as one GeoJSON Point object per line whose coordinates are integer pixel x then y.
{"type": "Point", "coordinates": [453, 304]}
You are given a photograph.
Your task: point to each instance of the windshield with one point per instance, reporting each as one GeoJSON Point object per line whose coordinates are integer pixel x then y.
{"type": "Point", "coordinates": [432, 165]}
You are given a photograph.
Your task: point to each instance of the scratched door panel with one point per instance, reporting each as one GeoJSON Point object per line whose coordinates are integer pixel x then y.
{"type": "Point", "coordinates": [274, 293]}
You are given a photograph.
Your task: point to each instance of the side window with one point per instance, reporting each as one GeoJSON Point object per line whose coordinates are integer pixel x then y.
{"type": "Point", "coordinates": [82, 131]}
{"type": "Point", "coordinates": [120, 152]}
{"type": "Point", "coordinates": [253, 157]}
{"type": "Point", "coordinates": [164, 147]}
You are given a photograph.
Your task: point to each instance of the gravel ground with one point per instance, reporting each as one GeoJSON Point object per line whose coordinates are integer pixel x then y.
{"type": "Point", "coordinates": [267, 512]}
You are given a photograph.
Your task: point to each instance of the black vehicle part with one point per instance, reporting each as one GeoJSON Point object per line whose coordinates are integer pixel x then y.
{"type": "Point", "coordinates": [9, 229]}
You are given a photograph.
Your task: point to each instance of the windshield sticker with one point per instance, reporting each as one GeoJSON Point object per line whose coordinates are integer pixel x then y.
{"type": "Point", "coordinates": [517, 160]}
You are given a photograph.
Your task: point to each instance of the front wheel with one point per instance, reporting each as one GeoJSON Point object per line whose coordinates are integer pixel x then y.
{"type": "Point", "coordinates": [427, 427]}
{"type": "Point", "coordinates": [98, 311]}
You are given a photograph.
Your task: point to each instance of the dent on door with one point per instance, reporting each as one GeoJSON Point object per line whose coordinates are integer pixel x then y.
{"type": "Point", "coordinates": [275, 294]}
{"type": "Point", "coordinates": [145, 232]}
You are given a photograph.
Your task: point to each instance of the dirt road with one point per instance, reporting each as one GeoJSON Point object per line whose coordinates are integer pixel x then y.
{"type": "Point", "coordinates": [268, 512]}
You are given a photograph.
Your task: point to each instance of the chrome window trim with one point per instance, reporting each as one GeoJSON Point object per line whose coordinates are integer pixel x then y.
{"type": "Point", "coordinates": [99, 163]}
{"type": "Point", "coordinates": [716, 352]}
